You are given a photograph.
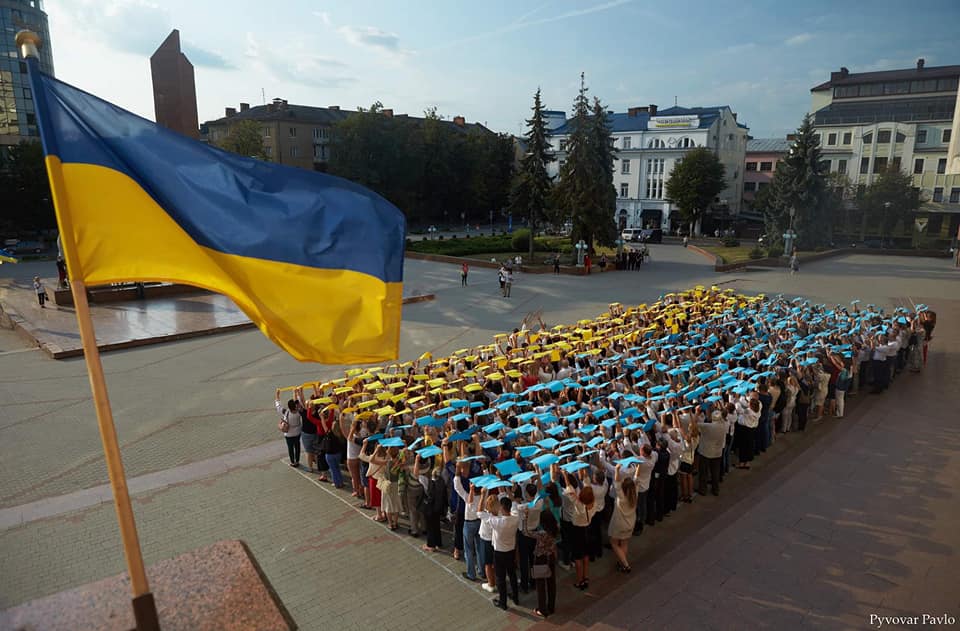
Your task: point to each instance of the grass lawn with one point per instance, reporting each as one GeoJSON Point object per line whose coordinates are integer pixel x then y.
{"type": "Point", "coordinates": [730, 255]}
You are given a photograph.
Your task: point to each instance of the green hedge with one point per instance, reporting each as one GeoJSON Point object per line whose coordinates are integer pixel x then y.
{"type": "Point", "coordinates": [518, 242]}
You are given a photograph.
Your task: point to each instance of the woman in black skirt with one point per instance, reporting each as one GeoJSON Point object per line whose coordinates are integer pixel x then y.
{"type": "Point", "coordinates": [748, 417]}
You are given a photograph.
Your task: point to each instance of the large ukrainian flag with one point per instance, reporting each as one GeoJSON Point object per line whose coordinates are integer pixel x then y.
{"type": "Point", "coordinates": [315, 261]}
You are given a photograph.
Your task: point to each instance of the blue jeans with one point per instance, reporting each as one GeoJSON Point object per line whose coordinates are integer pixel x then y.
{"type": "Point", "coordinates": [333, 461]}
{"type": "Point", "coordinates": [471, 545]}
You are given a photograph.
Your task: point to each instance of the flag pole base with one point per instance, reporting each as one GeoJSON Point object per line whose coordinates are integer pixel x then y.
{"type": "Point", "coordinates": [145, 613]}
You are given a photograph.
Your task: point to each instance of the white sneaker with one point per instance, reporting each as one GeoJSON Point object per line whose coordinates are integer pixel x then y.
{"type": "Point", "coordinates": [486, 587]}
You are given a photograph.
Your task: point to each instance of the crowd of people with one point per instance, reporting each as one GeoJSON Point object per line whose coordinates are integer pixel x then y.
{"type": "Point", "coordinates": [546, 447]}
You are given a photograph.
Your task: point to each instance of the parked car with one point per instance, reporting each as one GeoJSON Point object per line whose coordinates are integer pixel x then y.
{"type": "Point", "coordinates": [631, 234]}
{"type": "Point", "coordinates": [651, 235]}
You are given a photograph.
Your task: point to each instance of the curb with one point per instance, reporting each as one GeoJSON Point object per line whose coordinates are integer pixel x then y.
{"type": "Point", "coordinates": [22, 327]}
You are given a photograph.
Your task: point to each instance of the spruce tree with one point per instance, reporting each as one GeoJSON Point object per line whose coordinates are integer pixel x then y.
{"type": "Point", "coordinates": [800, 183]}
{"type": "Point", "coordinates": [603, 212]}
{"type": "Point", "coordinates": [531, 188]}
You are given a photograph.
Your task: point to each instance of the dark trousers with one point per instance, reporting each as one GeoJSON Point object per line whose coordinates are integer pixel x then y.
{"type": "Point", "coordinates": [566, 537]}
{"type": "Point", "coordinates": [505, 564]}
{"type": "Point", "coordinates": [711, 467]}
{"type": "Point", "coordinates": [745, 443]}
{"type": "Point", "coordinates": [434, 537]}
{"type": "Point", "coordinates": [41, 298]}
{"type": "Point", "coordinates": [881, 374]}
{"type": "Point", "coordinates": [864, 374]}
{"type": "Point", "coordinates": [458, 531]}
{"type": "Point", "coordinates": [526, 546]}
{"type": "Point", "coordinates": [595, 537]}
{"type": "Point", "coordinates": [293, 448]}
{"type": "Point", "coordinates": [547, 587]}
{"type": "Point", "coordinates": [671, 492]}
{"type": "Point", "coordinates": [641, 512]}
{"type": "Point", "coordinates": [655, 500]}
{"type": "Point", "coordinates": [802, 409]}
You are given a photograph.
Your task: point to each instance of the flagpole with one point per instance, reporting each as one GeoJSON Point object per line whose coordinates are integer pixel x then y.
{"type": "Point", "coordinates": [144, 607]}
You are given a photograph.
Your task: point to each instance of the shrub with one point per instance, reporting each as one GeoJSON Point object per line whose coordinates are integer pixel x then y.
{"type": "Point", "coordinates": [820, 248]}
{"type": "Point", "coordinates": [520, 241]}
{"type": "Point", "coordinates": [566, 248]}
{"type": "Point", "coordinates": [730, 242]}
{"type": "Point", "coordinates": [775, 251]}
{"type": "Point", "coordinates": [756, 253]}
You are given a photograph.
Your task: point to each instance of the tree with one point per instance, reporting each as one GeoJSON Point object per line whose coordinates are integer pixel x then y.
{"type": "Point", "coordinates": [585, 191]}
{"type": "Point", "coordinates": [694, 183]}
{"type": "Point", "coordinates": [799, 183]}
{"type": "Point", "coordinates": [25, 200]}
{"type": "Point", "coordinates": [531, 188]}
{"type": "Point", "coordinates": [888, 201]}
{"type": "Point", "coordinates": [246, 139]}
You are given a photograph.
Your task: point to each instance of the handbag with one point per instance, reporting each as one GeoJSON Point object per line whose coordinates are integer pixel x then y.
{"type": "Point", "coordinates": [283, 426]}
{"type": "Point", "coordinates": [540, 570]}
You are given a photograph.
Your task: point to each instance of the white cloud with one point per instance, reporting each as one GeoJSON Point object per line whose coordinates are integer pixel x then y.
{"type": "Point", "coordinates": [374, 38]}
{"type": "Point", "coordinates": [324, 17]}
{"type": "Point", "coordinates": [297, 63]}
{"type": "Point", "coordinates": [796, 40]}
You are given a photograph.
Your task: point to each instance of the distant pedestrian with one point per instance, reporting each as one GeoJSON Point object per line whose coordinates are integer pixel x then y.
{"type": "Point", "coordinates": [587, 262]}
{"type": "Point", "coordinates": [508, 283]}
{"type": "Point", "coordinates": [603, 263]}
{"type": "Point", "coordinates": [686, 240]}
{"type": "Point", "coordinates": [502, 278]}
{"type": "Point", "coordinates": [41, 291]}
{"type": "Point", "coordinates": [556, 263]}
{"type": "Point", "coordinates": [794, 263]}
{"type": "Point", "coordinates": [464, 270]}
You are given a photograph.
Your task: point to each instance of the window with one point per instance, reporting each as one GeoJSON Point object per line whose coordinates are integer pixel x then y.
{"type": "Point", "coordinates": [749, 187]}
{"type": "Point", "coordinates": [847, 137]}
{"type": "Point", "coordinates": [761, 185]}
{"type": "Point", "coordinates": [293, 132]}
{"type": "Point", "coordinates": [883, 135]}
{"type": "Point", "coordinates": [942, 165]}
{"type": "Point", "coordinates": [921, 136]}
{"type": "Point", "coordinates": [766, 166]}
{"type": "Point", "coordinates": [624, 189]}
{"type": "Point", "coordinates": [879, 164]}
{"type": "Point", "coordinates": [294, 151]}
{"type": "Point", "coordinates": [955, 195]}
{"type": "Point", "coordinates": [626, 142]}
{"type": "Point", "coordinates": [841, 166]}
{"type": "Point", "coordinates": [655, 143]}
{"type": "Point", "coordinates": [31, 118]}
{"type": "Point", "coordinates": [868, 138]}
{"type": "Point", "coordinates": [268, 151]}
{"type": "Point", "coordinates": [918, 165]}
{"type": "Point", "coordinates": [563, 145]}
{"type": "Point", "coordinates": [824, 166]}
{"type": "Point", "coordinates": [895, 163]}
{"type": "Point", "coordinates": [901, 137]}
{"type": "Point", "coordinates": [946, 135]}
{"type": "Point", "coordinates": [27, 94]}
{"type": "Point", "coordinates": [751, 166]}
{"type": "Point", "coordinates": [266, 132]}
{"type": "Point", "coordinates": [625, 167]}
{"type": "Point", "coordinates": [687, 143]}
{"type": "Point", "coordinates": [831, 139]}
{"type": "Point", "coordinates": [938, 194]}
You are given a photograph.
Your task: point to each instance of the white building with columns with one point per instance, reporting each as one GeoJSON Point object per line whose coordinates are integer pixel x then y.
{"type": "Point", "coordinates": [649, 142]}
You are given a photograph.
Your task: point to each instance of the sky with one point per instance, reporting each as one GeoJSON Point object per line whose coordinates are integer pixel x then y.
{"type": "Point", "coordinates": [484, 60]}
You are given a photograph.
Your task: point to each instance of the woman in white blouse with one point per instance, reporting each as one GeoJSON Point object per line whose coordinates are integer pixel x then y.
{"type": "Point", "coordinates": [624, 516]}
{"type": "Point", "coordinates": [748, 417]}
{"type": "Point", "coordinates": [582, 510]}
{"type": "Point", "coordinates": [791, 388]}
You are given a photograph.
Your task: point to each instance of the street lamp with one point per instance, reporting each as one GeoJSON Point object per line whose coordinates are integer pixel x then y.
{"type": "Point", "coordinates": [581, 246]}
{"type": "Point", "coordinates": [883, 222]}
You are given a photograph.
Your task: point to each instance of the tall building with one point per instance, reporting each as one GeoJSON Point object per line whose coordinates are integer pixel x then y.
{"type": "Point", "coordinates": [17, 118]}
{"type": "Point", "coordinates": [649, 143]}
{"type": "Point", "coordinates": [174, 90]}
{"type": "Point", "coordinates": [904, 119]}
{"type": "Point", "coordinates": [299, 135]}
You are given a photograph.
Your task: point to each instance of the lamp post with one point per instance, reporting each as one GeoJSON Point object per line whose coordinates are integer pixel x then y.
{"type": "Point", "coordinates": [883, 222]}
{"type": "Point", "coordinates": [581, 246]}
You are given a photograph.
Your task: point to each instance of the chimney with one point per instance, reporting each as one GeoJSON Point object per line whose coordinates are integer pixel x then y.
{"type": "Point", "coordinates": [284, 102]}
{"type": "Point", "coordinates": [334, 107]}
{"type": "Point", "coordinates": [791, 137]}
{"type": "Point", "coordinates": [388, 113]}
{"type": "Point", "coordinates": [459, 121]}
{"type": "Point", "coordinates": [652, 109]}
{"type": "Point", "coordinates": [230, 111]}
{"type": "Point", "coordinates": [920, 63]}
{"type": "Point", "coordinates": [244, 107]}
{"type": "Point", "coordinates": [634, 111]}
